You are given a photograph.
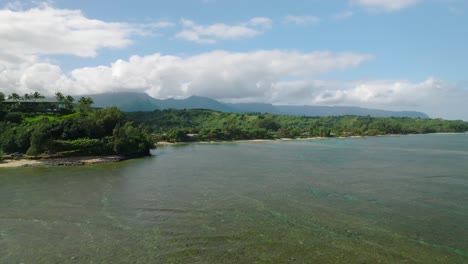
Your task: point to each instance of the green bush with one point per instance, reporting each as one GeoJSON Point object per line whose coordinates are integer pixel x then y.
{"type": "Point", "coordinates": [81, 143]}
{"type": "Point", "coordinates": [98, 132]}
{"type": "Point", "coordinates": [14, 117]}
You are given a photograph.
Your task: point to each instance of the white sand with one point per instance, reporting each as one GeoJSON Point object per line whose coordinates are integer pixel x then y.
{"type": "Point", "coordinates": [17, 163]}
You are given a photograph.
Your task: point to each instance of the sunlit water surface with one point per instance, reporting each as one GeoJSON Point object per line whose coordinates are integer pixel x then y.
{"type": "Point", "coordinates": [388, 199]}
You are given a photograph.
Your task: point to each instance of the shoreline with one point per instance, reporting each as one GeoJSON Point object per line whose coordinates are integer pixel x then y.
{"type": "Point", "coordinates": [56, 162]}
{"type": "Point", "coordinates": [167, 143]}
{"type": "Point", "coordinates": [85, 160]}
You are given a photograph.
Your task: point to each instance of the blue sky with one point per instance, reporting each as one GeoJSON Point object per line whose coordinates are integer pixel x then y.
{"type": "Point", "coordinates": [393, 54]}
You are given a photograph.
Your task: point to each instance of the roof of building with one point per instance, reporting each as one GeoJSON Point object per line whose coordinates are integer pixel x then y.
{"type": "Point", "coordinates": [39, 100]}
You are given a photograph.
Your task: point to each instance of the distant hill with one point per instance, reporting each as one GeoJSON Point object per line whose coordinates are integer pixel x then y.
{"type": "Point", "coordinates": [194, 102]}
{"type": "Point", "coordinates": [309, 110]}
{"type": "Point", "coordinates": [132, 102]}
{"type": "Point", "coordinates": [126, 101]}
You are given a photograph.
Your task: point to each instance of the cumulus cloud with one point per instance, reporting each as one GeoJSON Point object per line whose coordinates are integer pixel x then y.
{"type": "Point", "coordinates": [47, 30]}
{"type": "Point", "coordinates": [384, 5]}
{"type": "Point", "coordinates": [270, 76]}
{"type": "Point", "coordinates": [301, 20]}
{"type": "Point", "coordinates": [381, 92]}
{"type": "Point", "coordinates": [210, 34]}
{"type": "Point", "coordinates": [264, 22]}
{"type": "Point", "coordinates": [28, 35]}
{"type": "Point", "coordinates": [434, 97]}
{"type": "Point", "coordinates": [217, 74]}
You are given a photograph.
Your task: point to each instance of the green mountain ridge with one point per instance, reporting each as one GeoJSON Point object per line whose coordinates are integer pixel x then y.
{"type": "Point", "coordinates": [134, 102]}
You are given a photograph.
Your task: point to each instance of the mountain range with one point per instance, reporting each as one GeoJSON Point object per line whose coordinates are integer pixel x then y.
{"type": "Point", "coordinates": [132, 102]}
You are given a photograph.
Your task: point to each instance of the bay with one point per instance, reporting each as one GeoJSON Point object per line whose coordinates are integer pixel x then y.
{"type": "Point", "coordinates": [357, 200]}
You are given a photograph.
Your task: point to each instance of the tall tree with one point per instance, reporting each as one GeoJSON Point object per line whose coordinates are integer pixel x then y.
{"type": "Point", "coordinates": [59, 96]}
{"type": "Point", "coordinates": [84, 104]}
{"type": "Point", "coordinates": [69, 102]}
{"type": "Point", "coordinates": [2, 106]}
{"type": "Point", "coordinates": [15, 97]}
{"type": "Point", "coordinates": [36, 95]}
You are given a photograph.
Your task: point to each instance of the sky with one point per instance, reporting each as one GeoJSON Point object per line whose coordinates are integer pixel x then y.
{"type": "Point", "coordinates": [385, 54]}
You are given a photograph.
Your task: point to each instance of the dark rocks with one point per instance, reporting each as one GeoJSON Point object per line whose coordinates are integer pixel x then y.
{"type": "Point", "coordinates": [55, 163]}
{"type": "Point", "coordinates": [63, 163]}
{"type": "Point", "coordinates": [75, 161]}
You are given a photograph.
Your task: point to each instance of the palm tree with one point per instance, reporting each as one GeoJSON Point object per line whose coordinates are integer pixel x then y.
{"type": "Point", "coordinates": [69, 99]}
{"type": "Point", "coordinates": [86, 101]}
{"type": "Point", "coordinates": [36, 95]}
{"type": "Point", "coordinates": [69, 102]}
{"type": "Point", "coordinates": [84, 104]}
{"type": "Point", "coordinates": [59, 96]}
{"type": "Point", "coordinates": [2, 106]}
{"type": "Point", "coordinates": [14, 96]}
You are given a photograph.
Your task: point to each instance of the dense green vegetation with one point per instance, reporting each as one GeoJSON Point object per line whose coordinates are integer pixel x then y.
{"type": "Point", "coordinates": [64, 128]}
{"type": "Point", "coordinates": [203, 125]}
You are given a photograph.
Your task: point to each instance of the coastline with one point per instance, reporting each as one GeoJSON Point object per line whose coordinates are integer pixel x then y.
{"type": "Point", "coordinates": [166, 143]}
{"type": "Point", "coordinates": [54, 162]}
{"type": "Point", "coordinates": [85, 160]}
{"type": "Point", "coordinates": [14, 163]}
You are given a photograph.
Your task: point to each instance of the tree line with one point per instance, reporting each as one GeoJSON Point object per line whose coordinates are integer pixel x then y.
{"type": "Point", "coordinates": [207, 125]}
{"type": "Point", "coordinates": [68, 128]}
{"type": "Point", "coordinates": [33, 102]}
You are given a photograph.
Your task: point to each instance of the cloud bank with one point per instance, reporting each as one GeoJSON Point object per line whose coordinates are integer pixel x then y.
{"type": "Point", "coordinates": [27, 37]}
{"type": "Point", "coordinates": [218, 74]}
{"type": "Point", "coordinates": [269, 76]}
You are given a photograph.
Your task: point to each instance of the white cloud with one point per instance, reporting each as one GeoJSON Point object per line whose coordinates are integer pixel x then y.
{"type": "Point", "coordinates": [160, 24]}
{"type": "Point", "coordinates": [46, 30]}
{"type": "Point", "coordinates": [274, 76]}
{"type": "Point", "coordinates": [391, 92]}
{"type": "Point", "coordinates": [270, 76]}
{"type": "Point", "coordinates": [210, 34]}
{"type": "Point", "coordinates": [384, 5]}
{"type": "Point", "coordinates": [434, 97]}
{"type": "Point", "coordinates": [260, 21]}
{"type": "Point", "coordinates": [217, 74]}
{"type": "Point", "coordinates": [27, 36]}
{"type": "Point", "coordinates": [343, 15]}
{"type": "Point", "coordinates": [301, 20]}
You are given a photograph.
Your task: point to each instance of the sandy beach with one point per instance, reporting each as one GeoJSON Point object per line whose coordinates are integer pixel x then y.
{"type": "Point", "coordinates": [49, 162]}
{"type": "Point", "coordinates": [18, 163]}
{"type": "Point", "coordinates": [164, 143]}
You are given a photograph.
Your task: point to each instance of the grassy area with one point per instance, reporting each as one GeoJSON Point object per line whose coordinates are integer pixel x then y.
{"type": "Point", "coordinates": [50, 117]}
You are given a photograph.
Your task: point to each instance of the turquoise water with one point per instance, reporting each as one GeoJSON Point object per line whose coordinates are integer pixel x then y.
{"type": "Point", "coordinates": [357, 200]}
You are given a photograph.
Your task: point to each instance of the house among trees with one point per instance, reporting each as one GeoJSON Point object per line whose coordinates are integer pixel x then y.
{"type": "Point", "coordinates": [35, 102]}
{"type": "Point", "coordinates": [34, 105]}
